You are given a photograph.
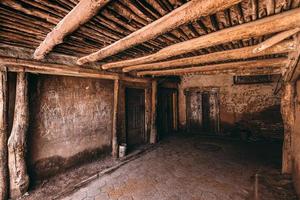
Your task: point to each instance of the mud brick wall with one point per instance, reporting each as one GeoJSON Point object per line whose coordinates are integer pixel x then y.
{"type": "Point", "coordinates": [70, 122]}
{"type": "Point", "coordinates": [239, 104]}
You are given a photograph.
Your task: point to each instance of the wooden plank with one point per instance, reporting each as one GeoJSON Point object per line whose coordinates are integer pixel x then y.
{"type": "Point", "coordinates": [182, 15]}
{"type": "Point", "coordinates": [268, 25]}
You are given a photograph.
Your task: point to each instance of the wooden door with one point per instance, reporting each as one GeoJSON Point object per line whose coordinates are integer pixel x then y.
{"type": "Point", "coordinates": [165, 112]}
{"type": "Point", "coordinates": [135, 117]}
{"type": "Point", "coordinates": [202, 112]}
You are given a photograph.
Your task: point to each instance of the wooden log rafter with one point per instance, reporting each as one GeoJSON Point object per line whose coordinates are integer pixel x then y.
{"type": "Point", "coordinates": [243, 53]}
{"type": "Point", "coordinates": [275, 40]}
{"type": "Point", "coordinates": [273, 24]}
{"type": "Point", "coordinates": [182, 15]}
{"type": "Point", "coordinates": [79, 15]}
{"type": "Point", "coordinates": [19, 179]}
{"type": "Point", "coordinates": [274, 63]}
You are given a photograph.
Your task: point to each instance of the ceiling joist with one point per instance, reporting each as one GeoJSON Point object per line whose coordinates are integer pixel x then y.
{"type": "Point", "coordinates": [234, 54]}
{"type": "Point", "coordinates": [188, 12]}
{"type": "Point", "coordinates": [79, 15]}
{"type": "Point", "coordinates": [243, 65]}
{"type": "Point", "coordinates": [273, 24]}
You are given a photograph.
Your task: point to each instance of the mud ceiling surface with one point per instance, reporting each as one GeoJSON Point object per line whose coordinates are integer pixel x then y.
{"type": "Point", "coordinates": [25, 23]}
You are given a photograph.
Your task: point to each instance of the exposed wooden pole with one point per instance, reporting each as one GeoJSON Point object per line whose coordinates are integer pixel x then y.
{"type": "Point", "coordinates": [242, 53]}
{"type": "Point", "coordinates": [115, 144]}
{"type": "Point", "coordinates": [287, 112]}
{"type": "Point", "coordinates": [268, 25]}
{"type": "Point", "coordinates": [275, 39]}
{"type": "Point", "coordinates": [4, 181]}
{"type": "Point", "coordinates": [79, 15]}
{"type": "Point", "coordinates": [22, 65]}
{"type": "Point", "coordinates": [182, 15]}
{"type": "Point", "coordinates": [153, 133]}
{"type": "Point", "coordinates": [275, 62]}
{"type": "Point", "coordinates": [19, 180]}
{"type": "Point", "coordinates": [292, 68]}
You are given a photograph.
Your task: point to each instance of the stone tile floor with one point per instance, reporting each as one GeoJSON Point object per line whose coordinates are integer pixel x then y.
{"type": "Point", "coordinates": [187, 168]}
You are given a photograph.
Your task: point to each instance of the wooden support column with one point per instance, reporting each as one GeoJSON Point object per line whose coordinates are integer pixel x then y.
{"type": "Point", "coordinates": [19, 180]}
{"type": "Point", "coordinates": [3, 137]}
{"type": "Point", "coordinates": [153, 134]}
{"type": "Point", "coordinates": [115, 144]}
{"type": "Point", "coordinates": [287, 111]}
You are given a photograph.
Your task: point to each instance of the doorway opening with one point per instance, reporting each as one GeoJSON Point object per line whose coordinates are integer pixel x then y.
{"type": "Point", "coordinates": [167, 119]}
{"type": "Point", "coordinates": [135, 117]}
{"type": "Point", "coordinates": [203, 110]}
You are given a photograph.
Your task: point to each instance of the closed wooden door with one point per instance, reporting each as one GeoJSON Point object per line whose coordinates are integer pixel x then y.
{"type": "Point", "coordinates": [135, 116]}
{"type": "Point", "coordinates": [202, 112]}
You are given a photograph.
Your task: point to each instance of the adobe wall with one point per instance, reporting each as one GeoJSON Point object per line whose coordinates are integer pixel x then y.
{"type": "Point", "coordinates": [238, 103]}
{"type": "Point", "coordinates": [70, 122]}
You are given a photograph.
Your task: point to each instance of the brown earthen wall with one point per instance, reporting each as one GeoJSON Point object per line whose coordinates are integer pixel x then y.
{"type": "Point", "coordinates": [239, 104]}
{"type": "Point", "coordinates": [70, 122]}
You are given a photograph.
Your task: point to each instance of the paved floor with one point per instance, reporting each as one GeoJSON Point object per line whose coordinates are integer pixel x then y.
{"type": "Point", "coordinates": [189, 168]}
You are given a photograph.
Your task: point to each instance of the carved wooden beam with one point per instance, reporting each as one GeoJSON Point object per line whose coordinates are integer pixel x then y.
{"type": "Point", "coordinates": [184, 14]}
{"type": "Point", "coordinates": [242, 53]}
{"type": "Point", "coordinates": [243, 65]}
{"type": "Point", "coordinates": [275, 40]}
{"type": "Point", "coordinates": [273, 24]}
{"type": "Point", "coordinates": [79, 15]}
{"type": "Point", "coordinates": [291, 71]}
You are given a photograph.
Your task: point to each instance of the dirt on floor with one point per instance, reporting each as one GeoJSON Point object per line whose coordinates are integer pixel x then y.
{"type": "Point", "coordinates": [208, 163]}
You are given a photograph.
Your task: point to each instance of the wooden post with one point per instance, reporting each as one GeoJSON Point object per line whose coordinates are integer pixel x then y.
{"type": "Point", "coordinates": [3, 137]}
{"type": "Point", "coordinates": [115, 144]}
{"type": "Point", "coordinates": [153, 134]}
{"type": "Point", "coordinates": [287, 111]}
{"type": "Point", "coordinates": [19, 180]}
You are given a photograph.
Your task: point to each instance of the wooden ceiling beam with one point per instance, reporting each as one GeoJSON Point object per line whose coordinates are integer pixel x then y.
{"type": "Point", "coordinates": [182, 15]}
{"type": "Point", "coordinates": [79, 15]}
{"type": "Point", "coordinates": [23, 65]}
{"type": "Point", "coordinates": [276, 23]}
{"type": "Point", "coordinates": [275, 39]}
{"type": "Point", "coordinates": [242, 53]}
{"type": "Point", "coordinates": [243, 65]}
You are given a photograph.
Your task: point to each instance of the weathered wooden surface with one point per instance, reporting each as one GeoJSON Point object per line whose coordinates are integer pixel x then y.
{"type": "Point", "coordinates": [288, 117]}
{"type": "Point", "coordinates": [153, 134]}
{"type": "Point", "coordinates": [243, 65]}
{"type": "Point", "coordinates": [19, 180]}
{"type": "Point", "coordinates": [82, 12]}
{"type": "Point", "coordinates": [115, 144]}
{"type": "Point", "coordinates": [184, 14]}
{"type": "Point", "coordinates": [243, 53]}
{"type": "Point", "coordinates": [4, 181]}
{"type": "Point", "coordinates": [276, 39]}
{"type": "Point", "coordinates": [273, 24]}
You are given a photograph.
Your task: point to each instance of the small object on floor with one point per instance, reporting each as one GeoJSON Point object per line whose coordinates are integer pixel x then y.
{"type": "Point", "coordinates": [122, 150]}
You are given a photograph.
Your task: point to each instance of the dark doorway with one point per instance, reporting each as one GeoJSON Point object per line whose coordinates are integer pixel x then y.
{"type": "Point", "coordinates": [167, 111]}
{"type": "Point", "coordinates": [202, 112]}
{"type": "Point", "coordinates": [135, 117]}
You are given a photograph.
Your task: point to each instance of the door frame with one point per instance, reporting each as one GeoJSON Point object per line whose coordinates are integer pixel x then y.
{"type": "Point", "coordinates": [210, 90]}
